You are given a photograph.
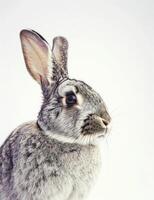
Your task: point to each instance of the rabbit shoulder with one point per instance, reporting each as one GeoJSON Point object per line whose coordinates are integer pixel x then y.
{"type": "Point", "coordinates": [38, 167]}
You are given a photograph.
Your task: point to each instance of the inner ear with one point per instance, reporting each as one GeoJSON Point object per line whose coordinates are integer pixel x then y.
{"type": "Point", "coordinates": [37, 56]}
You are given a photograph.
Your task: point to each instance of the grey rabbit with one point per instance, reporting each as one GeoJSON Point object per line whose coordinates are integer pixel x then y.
{"type": "Point", "coordinates": [57, 156]}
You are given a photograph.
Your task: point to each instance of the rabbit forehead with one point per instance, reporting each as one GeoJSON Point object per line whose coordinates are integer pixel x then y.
{"type": "Point", "coordinates": [66, 86]}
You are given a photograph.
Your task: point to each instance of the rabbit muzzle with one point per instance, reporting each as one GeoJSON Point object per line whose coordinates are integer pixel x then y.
{"type": "Point", "coordinates": [95, 124]}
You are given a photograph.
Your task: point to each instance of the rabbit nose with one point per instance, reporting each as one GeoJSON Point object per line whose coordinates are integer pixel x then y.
{"type": "Point", "coordinates": [105, 122]}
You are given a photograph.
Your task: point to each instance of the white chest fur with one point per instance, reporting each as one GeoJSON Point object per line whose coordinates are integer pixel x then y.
{"type": "Point", "coordinates": [77, 175]}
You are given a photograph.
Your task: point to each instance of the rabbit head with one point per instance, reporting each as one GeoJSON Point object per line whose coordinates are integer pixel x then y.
{"type": "Point", "coordinates": [72, 111]}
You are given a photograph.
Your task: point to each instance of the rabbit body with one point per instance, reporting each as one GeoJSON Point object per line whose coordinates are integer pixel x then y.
{"type": "Point", "coordinates": [35, 167]}
{"type": "Point", "coordinates": [56, 157]}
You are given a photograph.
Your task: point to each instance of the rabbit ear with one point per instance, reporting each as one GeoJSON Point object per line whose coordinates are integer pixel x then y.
{"type": "Point", "coordinates": [59, 56]}
{"type": "Point", "coordinates": [37, 55]}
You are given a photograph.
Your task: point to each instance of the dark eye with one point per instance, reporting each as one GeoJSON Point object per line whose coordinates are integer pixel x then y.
{"type": "Point", "coordinates": [70, 99]}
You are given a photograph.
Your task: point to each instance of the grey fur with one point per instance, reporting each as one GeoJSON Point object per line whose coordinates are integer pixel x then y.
{"type": "Point", "coordinates": [55, 157]}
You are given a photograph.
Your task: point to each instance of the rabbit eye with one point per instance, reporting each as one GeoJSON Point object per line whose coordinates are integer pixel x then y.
{"type": "Point", "coordinates": [70, 99]}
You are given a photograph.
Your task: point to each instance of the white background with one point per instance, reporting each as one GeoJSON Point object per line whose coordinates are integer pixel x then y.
{"type": "Point", "coordinates": [111, 48]}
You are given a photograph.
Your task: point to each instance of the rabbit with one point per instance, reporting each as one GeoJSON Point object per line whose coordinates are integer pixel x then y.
{"type": "Point", "coordinates": [56, 157]}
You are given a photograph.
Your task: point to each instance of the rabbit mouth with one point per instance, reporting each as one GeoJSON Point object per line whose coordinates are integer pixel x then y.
{"type": "Point", "coordinates": [96, 133]}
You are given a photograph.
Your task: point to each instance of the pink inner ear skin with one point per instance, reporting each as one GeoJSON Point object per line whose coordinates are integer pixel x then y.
{"type": "Point", "coordinates": [36, 54]}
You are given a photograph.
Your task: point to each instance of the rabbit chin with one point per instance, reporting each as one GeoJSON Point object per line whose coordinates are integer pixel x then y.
{"type": "Point", "coordinates": [82, 139]}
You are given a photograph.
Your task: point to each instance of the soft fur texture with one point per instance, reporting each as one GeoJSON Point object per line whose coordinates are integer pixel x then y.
{"type": "Point", "coordinates": [57, 156]}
